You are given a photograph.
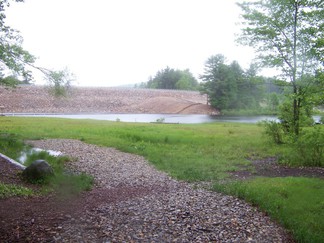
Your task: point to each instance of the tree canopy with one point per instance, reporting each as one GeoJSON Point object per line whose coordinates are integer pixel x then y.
{"type": "Point", "coordinates": [228, 86]}
{"type": "Point", "coordinates": [169, 78]}
{"type": "Point", "coordinates": [12, 55]}
{"type": "Point", "coordinates": [16, 62]}
{"type": "Point", "coordinates": [288, 35]}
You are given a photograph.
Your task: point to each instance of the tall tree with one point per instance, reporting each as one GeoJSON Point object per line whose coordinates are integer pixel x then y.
{"type": "Point", "coordinates": [219, 82]}
{"type": "Point", "coordinates": [289, 35]}
{"type": "Point", "coordinates": [228, 86]}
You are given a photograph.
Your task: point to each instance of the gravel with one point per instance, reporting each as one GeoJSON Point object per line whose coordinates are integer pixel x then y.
{"type": "Point", "coordinates": [168, 211]}
{"type": "Point", "coordinates": [36, 99]}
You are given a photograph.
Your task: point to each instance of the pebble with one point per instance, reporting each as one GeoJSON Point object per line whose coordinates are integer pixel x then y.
{"type": "Point", "coordinates": [174, 212]}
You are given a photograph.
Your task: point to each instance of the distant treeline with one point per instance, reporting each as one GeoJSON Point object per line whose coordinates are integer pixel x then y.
{"type": "Point", "coordinates": [169, 78]}
{"type": "Point", "coordinates": [227, 86]}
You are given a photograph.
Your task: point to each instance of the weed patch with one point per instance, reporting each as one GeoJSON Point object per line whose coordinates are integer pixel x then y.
{"type": "Point", "coordinates": [8, 190]}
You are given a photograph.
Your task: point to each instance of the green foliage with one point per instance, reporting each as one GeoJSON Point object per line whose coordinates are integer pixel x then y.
{"type": "Point", "coordinates": [296, 203]}
{"type": "Point", "coordinates": [273, 101]}
{"type": "Point", "coordinates": [59, 82]}
{"type": "Point", "coordinates": [11, 145]}
{"type": "Point", "coordinates": [309, 148]}
{"type": "Point", "coordinates": [289, 35]}
{"type": "Point", "coordinates": [282, 31]}
{"type": "Point", "coordinates": [274, 130]}
{"type": "Point", "coordinates": [305, 150]}
{"type": "Point", "coordinates": [170, 78]}
{"type": "Point", "coordinates": [11, 81]}
{"type": "Point", "coordinates": [229, 87]}
{"type": "Point", "coordinates": [12, 56]}
{"type": "Point", "coordinates": [287, 118]}
{"type": "Point", "coordinates": [7, 190]}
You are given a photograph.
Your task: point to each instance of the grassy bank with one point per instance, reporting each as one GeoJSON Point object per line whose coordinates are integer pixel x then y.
{"type": "Point", "coordinates": [188, 152]}
{"type": "Point", "coordinates": [296, 203]}
{"type": "Point", "coordinates": [200, 152]}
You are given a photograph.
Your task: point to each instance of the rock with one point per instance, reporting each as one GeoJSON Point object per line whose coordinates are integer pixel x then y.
{"type": "Point", "coordinates": [39, 169]}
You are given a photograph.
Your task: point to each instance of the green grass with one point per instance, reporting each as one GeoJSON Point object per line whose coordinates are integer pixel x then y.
{"type": "Point", "coordinates": [296, 203]}
{"type": "Point", "coordinates": [208, 150]}
{"type": "Point", "coordinates": [11, 145]}
{"type": "Point", "coordinates": [64, 184]}
{"type": "Point", "coordinates": [200, 152]}
{"type": "Point", "coordinates": [8, 190]}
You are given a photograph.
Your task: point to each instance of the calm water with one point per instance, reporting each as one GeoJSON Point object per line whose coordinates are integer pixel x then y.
{"type": "Point", "coordinates": [147, 118]}
{"type": "Point", "coordinates": [166, 118]}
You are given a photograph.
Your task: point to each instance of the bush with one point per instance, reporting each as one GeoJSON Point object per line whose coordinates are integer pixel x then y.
{"type": "Point", "coordinates": [274, 130]}
{"type": "Point", "coordinates": [322, 120]}
{"type": "Point", "coordinates": [310, 147]}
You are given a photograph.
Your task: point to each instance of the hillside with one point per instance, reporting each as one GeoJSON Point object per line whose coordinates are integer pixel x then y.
{"type": "Point", "coordinates": [36, 99]}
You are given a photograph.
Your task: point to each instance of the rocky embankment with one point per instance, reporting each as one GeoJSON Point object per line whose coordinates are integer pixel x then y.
{"type": "Point", "coordinates": [37, 99]}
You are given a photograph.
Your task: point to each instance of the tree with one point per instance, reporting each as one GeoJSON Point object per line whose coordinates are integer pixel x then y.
{"type": "Point", "coordinates": [187, 81]}
{"type": "Point", "coordinates": [229, 86]}
{"type": "Point", "coordinates": [288, 35]}
{"type": "Point", "coordinates": [169, 78]}
{"type": "Point", "coordinates": [17, 60]}
{"type": "Point", "coordinates": [252, 88]}
{"type": "Point", "coordinates": [60, 82]}
{"type": "Point", "coordinates": [219, 84]}
{"type": "Point", "coordinates": [12, 56]}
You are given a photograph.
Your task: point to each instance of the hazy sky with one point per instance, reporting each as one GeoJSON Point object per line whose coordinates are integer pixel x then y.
{"type": "Point", "coordinates": [117, 42]}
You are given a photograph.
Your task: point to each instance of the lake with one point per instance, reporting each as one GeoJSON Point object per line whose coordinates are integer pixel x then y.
{"type": "Point", "coordinates": [147, 118]}
{"type": "Point", "coordinates": [165, 118]}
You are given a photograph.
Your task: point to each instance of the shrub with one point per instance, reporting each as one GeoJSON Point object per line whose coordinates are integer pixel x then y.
{"type": "Point", "coordinates": [274, 130]}
{"type": "Point", "coordinates": [310, 147]}
{"type": "Point", "coordinates": [322, 120]}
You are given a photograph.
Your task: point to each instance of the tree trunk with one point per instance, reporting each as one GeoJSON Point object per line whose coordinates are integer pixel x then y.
{"type": "Point", "coordinates": [296, 104]}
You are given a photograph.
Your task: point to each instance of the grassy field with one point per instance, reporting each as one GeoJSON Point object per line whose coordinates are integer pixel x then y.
{"type": "Point", "coordinates": [200, 152]}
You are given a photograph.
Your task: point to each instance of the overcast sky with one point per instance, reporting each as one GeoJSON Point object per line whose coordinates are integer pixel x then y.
{"type": "Point", "coordinates": [118, 42]}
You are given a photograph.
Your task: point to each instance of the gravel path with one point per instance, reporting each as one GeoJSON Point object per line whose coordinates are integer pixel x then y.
{"type": "Point", "coordinates": [164, 210]}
